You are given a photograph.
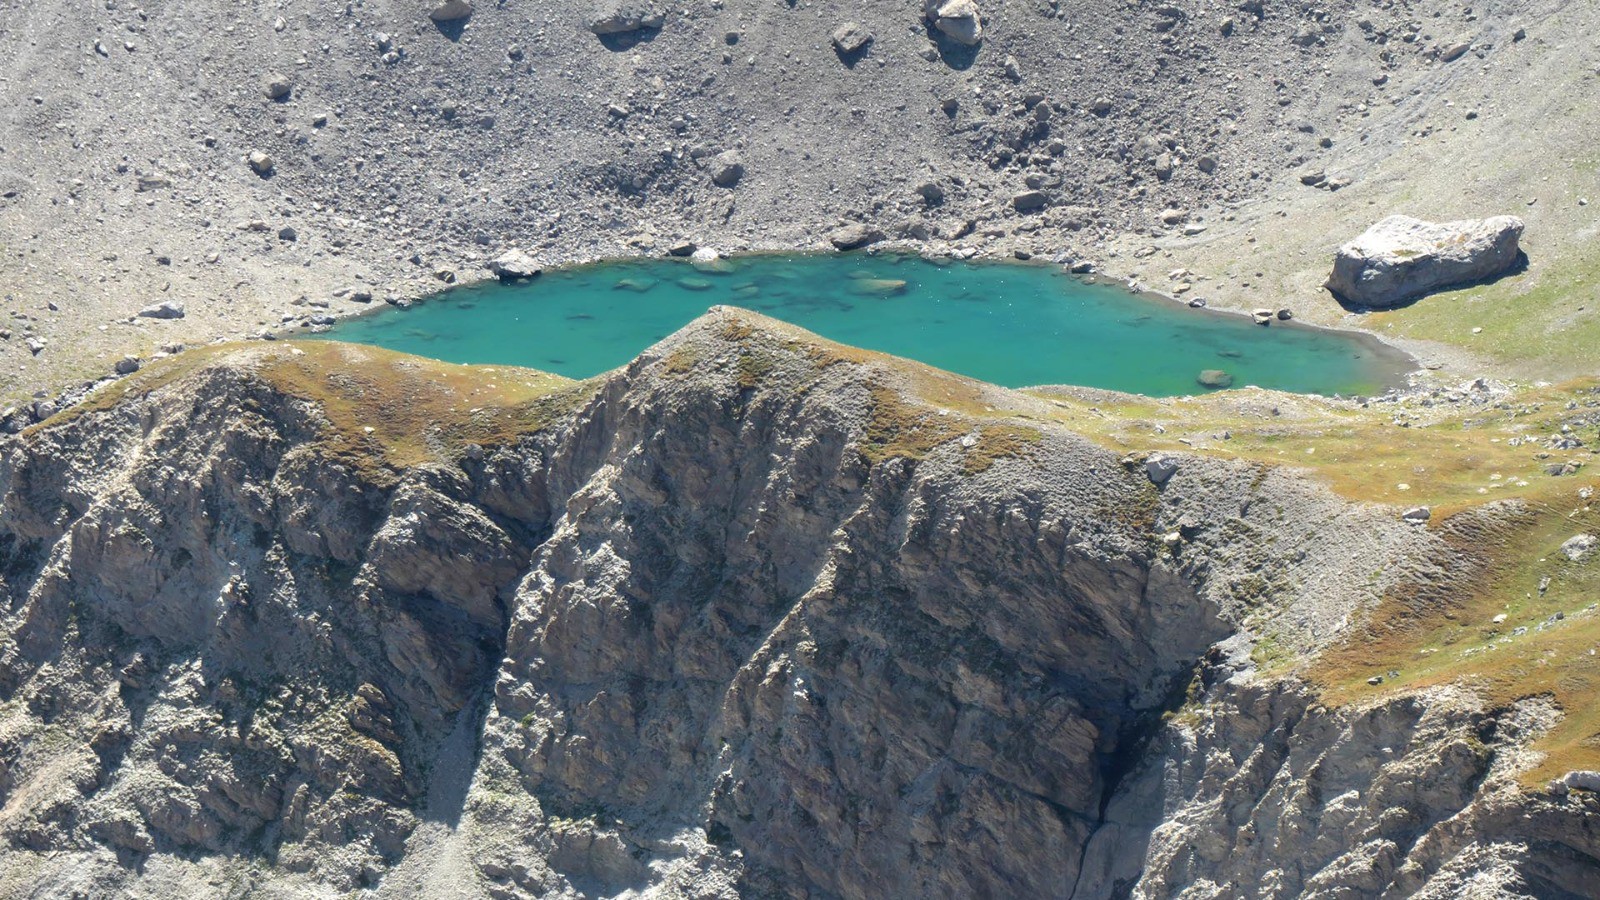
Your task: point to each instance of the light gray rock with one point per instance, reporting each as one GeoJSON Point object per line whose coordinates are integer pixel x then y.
{"type": "Point", "coordinates": [1579, 546]}
{"type": "Point", "coordinates": [961, 20]}
{"type": "Point", "coordinates": [277, 86]}
{"type": "Point", "coordinates": [1402, 259]}
{"type": "Point", "coordinates": [1160, 469]}
{"type": "Point", "coordinates": [451, 10]}
{"type": "Point", "coordinates": [854, 236]}
{"type": "Point", "coordinates": [261, 162]}
{"type": "Point", "coordinates": [1582, 779]}
{"type": "Point", "coordinates": [1030, 201]}
{"type": "Point", "coordinates": [514, 264]}
{"type": "Point", "coordinates": [727, 168]}
{"type": "Point", "coordinates": [622, 16]}
{"type": "Point", "coordinates": [166, 309]}
{"type": "Point", "coordinates": [851, 38]}
{"type": "Point", "coordinates": [1215, 379]}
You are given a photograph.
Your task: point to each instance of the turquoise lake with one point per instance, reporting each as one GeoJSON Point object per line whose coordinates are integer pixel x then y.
{"type": "Point", "coordinates": [1011, 324]}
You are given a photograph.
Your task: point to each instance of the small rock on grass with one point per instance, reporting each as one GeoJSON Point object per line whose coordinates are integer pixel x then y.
{"type": "Point", "coordinates": [1579, 546]}
{"type": "Point", "coordinates": [1417, 515]}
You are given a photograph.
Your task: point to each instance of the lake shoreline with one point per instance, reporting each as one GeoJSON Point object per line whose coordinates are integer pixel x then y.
{"type": "Point", "coordinates": [1390, 367]}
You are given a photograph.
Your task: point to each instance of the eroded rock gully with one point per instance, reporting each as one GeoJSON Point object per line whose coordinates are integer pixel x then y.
{"type": "Point", "coordinates": [709, 634]}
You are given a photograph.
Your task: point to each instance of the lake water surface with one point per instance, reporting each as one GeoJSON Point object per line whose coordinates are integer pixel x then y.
{"type": "Point", "coordinates": [1014, 325]}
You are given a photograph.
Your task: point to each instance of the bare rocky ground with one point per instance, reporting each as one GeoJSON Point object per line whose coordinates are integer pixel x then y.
{"type": "Point", "coordinates": [757, 616]}
{"type": "Point", "coordinates": [1160, 137]}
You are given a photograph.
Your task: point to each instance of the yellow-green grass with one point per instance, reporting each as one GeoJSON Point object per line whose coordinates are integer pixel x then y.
{"type": "Point", "coordinates": [1448, 459]}
{"type": "Point", "coordinates": [385, 411]}
{"type": "Point", "coordinates": [1541, 323]}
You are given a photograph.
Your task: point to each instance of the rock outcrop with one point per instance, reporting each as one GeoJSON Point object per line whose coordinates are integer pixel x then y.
{"type": "Point", "coordinates": [1401, 259]}
{"type": "Point", "coordinates": [749, 617]}
{"type": "Point", "coordinates": [623, 16]}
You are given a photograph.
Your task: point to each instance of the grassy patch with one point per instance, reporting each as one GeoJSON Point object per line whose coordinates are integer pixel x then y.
{"type": "Point", "coordinates": [385, 411]}
{"type": "Point", "coordinates": [1538, 323]}
{"type": "Point", "coordinates": [1547, 645]}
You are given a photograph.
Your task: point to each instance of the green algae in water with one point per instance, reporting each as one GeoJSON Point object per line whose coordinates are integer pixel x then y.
{"type": "Point", "coordinates": [1013, 325]}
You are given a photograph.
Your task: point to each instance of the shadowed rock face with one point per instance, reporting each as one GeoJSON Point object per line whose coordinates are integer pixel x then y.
{"type": "Point", "coordinates": [752, 619]}
{"type": "Point", "coordinates": [1401, 259]}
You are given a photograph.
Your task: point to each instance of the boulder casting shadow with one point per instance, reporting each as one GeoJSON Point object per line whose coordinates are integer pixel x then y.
{"type": "Point", "coordinates": [1517, 267]}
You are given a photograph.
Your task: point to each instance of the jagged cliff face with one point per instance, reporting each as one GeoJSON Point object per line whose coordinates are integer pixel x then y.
{"type": "Point", "coordinates": [755, 616]}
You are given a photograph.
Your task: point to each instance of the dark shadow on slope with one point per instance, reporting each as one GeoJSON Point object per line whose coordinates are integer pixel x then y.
{"type": "Point", "coordinates": [452, 29]}
{"type": "Point", "coordinates": [627, 40]}
{"type": "Point", "coordinates": [952, 52]}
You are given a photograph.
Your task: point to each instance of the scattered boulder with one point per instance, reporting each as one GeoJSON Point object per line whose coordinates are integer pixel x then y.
{"type": "Point", "coordinates": [1581, 779]}
{"type": "Point", "coordinates": [261, 162]}
{"type": "Point", "coordinates": [727, 168]}
{"type": "Point", "coordinates": [166, 309]}
{"type": "Point", "coordinates": [708, 259]}
{"type": "Point", "coordinates": [854, 236]}
{"type": "Point", "coordinates": [1417, 515]}
{"type": "Point", "coordinates": [1454, 51]}
{"type": "Point", "coordinates": [451, 11]}
{"type": "Point", "coordinates": [127, 365]}
{"type": "Point", "coordinates": [622, 16]}
{"type": "Point", "coordinates": [513, 265]}
{"type": "Point", "coordinates": [1285, 315]}
{"type": "Point", "coordinates": [1401, 258]}
{"type": "Point", "coordinates": [277, 86]}
{"type": "Point", "coordinates": [682, 248]}
{"type": "Point", "coordinates": [1030, 201]}
{"type": "Point", "coordinates": [961, 20]}
{"type": "Point", "coordinates": [851, 38]}
{"type": "Point", "coordinates": [1160, 469]}
{"type": "Point", "coordinates": [1262, 316]}
{"type": "Point", "coordinates": [1579, 546]}
{"type": "Point", "coordinates": [1215, 379]}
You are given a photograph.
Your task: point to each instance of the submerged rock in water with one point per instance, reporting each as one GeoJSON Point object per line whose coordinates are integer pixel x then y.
{"type": "Point", "coordinates": [694, 284]}
{"type": "Point", "coordinates": [637, 285]}
{"type": "Point", "coordinates": [1402, 259]}
{"type": "Point", "coordinates": [1215, 379]}
{"type": "Point", "coordinates": [879, 287]}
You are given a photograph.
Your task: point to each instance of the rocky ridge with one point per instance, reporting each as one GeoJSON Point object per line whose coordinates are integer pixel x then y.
{"type": "Point", "coordinates": [757, 615]}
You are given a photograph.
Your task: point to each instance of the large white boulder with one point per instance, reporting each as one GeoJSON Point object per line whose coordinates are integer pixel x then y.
{"type": "Point", "coordinates": [1401, 258]}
